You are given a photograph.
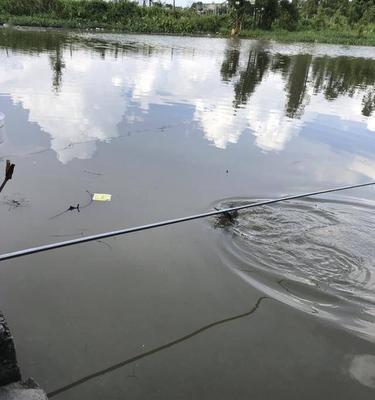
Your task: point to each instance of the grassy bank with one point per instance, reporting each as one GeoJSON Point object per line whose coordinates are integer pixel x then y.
{"type": "Point", "coordinates": [212, 27]}
{"type": "Point", "coordinates": [287, 24]}
{"type": "Point", "coordinates": [346, 37]}
{"type": "Point", "coordinates": [142, 24]}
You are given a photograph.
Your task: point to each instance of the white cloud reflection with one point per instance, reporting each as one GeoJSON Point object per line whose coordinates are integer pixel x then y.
{"type": "Point", "coordinates": [362, 369]}
{"type": "Point", "coordinates": [79, 114]}
{"type": "Point", "coordinates": [95, 95]}
{"type": "Point", "coordinates": [364, 166]}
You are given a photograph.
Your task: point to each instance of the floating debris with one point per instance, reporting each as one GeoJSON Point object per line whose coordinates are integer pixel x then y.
{"type": "Point", "coordinates": [101, 197]}
{"type": "Point", "coordinates": [77, 208]}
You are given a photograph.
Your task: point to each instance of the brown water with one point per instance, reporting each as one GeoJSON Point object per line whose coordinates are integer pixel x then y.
{"type": "Point", "coordinates": [277, 303]}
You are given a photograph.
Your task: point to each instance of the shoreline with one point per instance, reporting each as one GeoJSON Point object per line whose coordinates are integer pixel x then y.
{"type": "Point", "coordinates": [348, 38]}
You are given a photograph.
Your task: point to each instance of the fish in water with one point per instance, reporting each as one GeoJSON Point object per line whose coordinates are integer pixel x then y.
{"type": "Point", "coordinates": [227, 218]}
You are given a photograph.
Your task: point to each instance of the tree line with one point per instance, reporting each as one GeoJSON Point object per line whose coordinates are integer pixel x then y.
{"type": "Point", "coordinates": [239, 15]}
{"type": "Point", "coordinates": [302, 14]}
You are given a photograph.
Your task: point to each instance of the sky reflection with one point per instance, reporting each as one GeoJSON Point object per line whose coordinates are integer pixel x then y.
{"type": "Point", "coordinates": [362, 369]}
{"type": "Point", "coordinates": [79, 90]}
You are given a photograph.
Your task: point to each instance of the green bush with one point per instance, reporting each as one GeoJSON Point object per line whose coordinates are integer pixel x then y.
{"type": "Point", "coordinates": [340, 21]}
{"type": "Point", "coordinates": [288, 16]}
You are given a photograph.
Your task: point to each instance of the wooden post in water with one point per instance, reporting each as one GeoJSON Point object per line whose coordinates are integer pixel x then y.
{"type": "Point", "coordinates": [9, 169]}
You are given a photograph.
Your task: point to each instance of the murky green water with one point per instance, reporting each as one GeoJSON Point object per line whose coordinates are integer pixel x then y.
{"type": "Point", "coordinates": [277, 304]}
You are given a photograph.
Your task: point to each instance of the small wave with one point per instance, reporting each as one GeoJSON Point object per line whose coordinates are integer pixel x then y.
{"type": "Point", "coordinates": [314, 254]}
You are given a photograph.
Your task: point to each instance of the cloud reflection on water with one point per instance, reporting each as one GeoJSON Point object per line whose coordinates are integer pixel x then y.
{"type": "Point", "coordinates": [362, 369]}
{"type": "Point", "coordinates": [79, 97]}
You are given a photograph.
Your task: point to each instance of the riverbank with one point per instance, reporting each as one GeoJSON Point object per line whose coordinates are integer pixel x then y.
{"type": "Point", "coordinates": [346, 37]}
{"type": "Point", "coordinates": [325, 36]}
{"type": "Point", "coordinates": [11, 385]}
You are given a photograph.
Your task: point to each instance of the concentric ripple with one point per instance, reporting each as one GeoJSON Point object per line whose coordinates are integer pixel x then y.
{"type": "Point", "coordinates": [317, 255]}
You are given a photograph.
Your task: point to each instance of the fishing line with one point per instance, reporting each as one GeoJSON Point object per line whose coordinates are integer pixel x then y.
{"type": "Point", "coordinates": [85, 239]}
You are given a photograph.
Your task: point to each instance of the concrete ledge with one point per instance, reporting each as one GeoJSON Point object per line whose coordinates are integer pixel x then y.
{"type": "Point", "coordinates": [11, 387]}
{"type": "Point", "coordinates": [28, 390]}
{"type": "Point", "coordinates": [9, 371]}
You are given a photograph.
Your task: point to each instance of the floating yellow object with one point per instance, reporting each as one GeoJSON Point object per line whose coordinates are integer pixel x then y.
{"type": "Point", "coordinates": [102, 197]}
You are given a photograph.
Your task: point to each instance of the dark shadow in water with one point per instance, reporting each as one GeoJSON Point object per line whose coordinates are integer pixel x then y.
{"type": "Point", "coordinates": [231, 61]}
{"type": "Point", "coordinates": [368, 103]}
{"type": "Point", "coordinates": [257, 65]}
{"type": "Point", "coordinates": [341, 75]}
{"type": "Point", "coordinates": [297, 85]}
{"type": "Point", "coordinates": [57, 65]}
{"type": "Point", "coordinates": [281, 63]}
{"type": "Point", "coordinates": [302, 74]}
{"type": "Point", "coordinates": [155, 350]}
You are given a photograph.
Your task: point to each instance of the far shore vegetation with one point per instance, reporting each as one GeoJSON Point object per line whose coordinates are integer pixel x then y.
{"type": "Point", "coordinates": [323, 21]}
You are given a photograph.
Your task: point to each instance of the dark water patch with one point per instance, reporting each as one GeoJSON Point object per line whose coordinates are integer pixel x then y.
{"type": "Point", "coordinates": [314, 254]}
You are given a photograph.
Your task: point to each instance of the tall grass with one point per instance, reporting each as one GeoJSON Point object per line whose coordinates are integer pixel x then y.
{"type": "Point", "coordinates": [130, 17]}
{"type": "Point", "coordinates": [99, 14]}
{"type": "Point", "coordinates": [344, 37]}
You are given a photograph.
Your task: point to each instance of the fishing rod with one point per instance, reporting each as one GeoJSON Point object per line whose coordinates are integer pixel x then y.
{"type": "Point", "coordinates": [52, 246]}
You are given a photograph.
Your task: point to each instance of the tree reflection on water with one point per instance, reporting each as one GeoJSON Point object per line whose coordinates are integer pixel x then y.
{"type": "Point", "coordinates": [304, 76]}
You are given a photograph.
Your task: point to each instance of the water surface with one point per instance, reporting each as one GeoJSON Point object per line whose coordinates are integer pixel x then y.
{"type": "Point", "coordinates": [276, 302]}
